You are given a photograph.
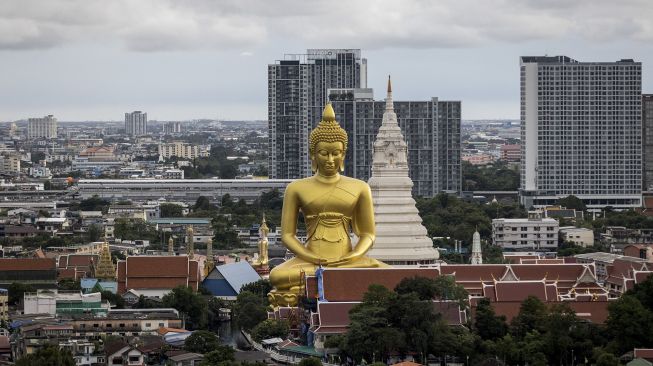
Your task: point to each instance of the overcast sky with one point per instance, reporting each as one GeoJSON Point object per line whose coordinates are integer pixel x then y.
{"type": "Point", "coordinates": [186, 59]}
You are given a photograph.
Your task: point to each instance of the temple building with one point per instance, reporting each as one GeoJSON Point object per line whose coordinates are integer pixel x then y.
{"type": "Point", "coordinates": [145, 275]}
{"type": "Point", "coordinates": [401, 239]}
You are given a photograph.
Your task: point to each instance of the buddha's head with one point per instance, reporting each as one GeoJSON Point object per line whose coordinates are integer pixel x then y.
{"type": "Point", "coordinates": [328, 145]}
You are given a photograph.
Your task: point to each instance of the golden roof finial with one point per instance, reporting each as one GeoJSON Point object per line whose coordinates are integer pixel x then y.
{"type": "Point", "coordinates": [389, 85]}
{"type": "Point", "coordinates": [328, 114]}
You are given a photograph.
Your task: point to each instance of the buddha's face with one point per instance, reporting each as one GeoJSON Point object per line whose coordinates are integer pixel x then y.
{"type": "Point", "coordinates": [329, 157]}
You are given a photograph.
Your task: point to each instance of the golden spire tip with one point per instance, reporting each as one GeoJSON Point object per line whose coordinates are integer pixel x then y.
{"type": "Point", "coordinates": [389, 85]}
{"type": "Point", "coordinates": [328, 114]}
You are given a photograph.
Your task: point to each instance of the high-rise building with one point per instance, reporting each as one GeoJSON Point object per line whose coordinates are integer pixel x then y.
{"type": "Point", "coordinates": [136, 123]}
{"type": "Point", "coordinates": [581, 131]}
{"type": "Point", "coordinates": [430, 128]}
{"type": "Point", "coordinates": [45, 127]}
{"type": "Point", "coordinates": [172, 127]}
{"type": "Point", "coordinates": [647, 140]}
{"type": "Point", "coordinates": [297, 93]}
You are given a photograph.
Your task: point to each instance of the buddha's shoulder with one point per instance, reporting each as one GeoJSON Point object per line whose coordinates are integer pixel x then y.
{"type": "Point", "coordinates": [353, 184]}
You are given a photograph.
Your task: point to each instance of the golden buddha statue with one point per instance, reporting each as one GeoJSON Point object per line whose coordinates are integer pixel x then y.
{"type": "Point", "coordinates": [262, 259]}
{"type": "Point", "coordinates": [332, 206]}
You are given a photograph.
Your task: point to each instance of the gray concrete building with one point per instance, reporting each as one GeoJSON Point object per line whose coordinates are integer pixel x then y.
{"type": "Point", "coordinates": [136, 123]}
{"type": "Point", "coordinates": [581, 131]}
{"type": "Point", "coordinates": [533, 233]}
{"type": "Point", "coordinates": [647, 140]}
{"type": "Point", "coordinates": [297, 93]}
{"type": "Point", "coordinates": [431, 129]}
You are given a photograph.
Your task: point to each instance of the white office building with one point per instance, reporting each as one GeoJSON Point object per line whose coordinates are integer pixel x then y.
{"type": "Point", "coordinates": [533, 233]}
{"type": "Point", "coordinates": [581, 127]}
{"type": "Point", "coordinates": [45, 127]}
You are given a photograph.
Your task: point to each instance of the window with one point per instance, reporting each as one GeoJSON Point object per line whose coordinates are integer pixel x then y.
{"type": "Point", "coordinates": [148, 325]}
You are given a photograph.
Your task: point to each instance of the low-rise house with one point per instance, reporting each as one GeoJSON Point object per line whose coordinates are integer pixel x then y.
{"type": "Point", "coordinates": [17, 232]}
{"type": "Point", "coordinates": [643, 251]}
{"type": "Point", "coordinates": [534, 233]}
{"type": "Point", "coordinates": [52, 224]}
{"type": "Point", "coordinates": [121, 353]}
{"type": "Point", "coordinates": [186, 359]}
{"type": "Point", "coordinates": [578, 236]}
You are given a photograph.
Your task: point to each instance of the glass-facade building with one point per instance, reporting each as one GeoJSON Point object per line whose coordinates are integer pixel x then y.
{"type": "Point", "coordinates": [581, 130]}
{"type": "Point", "coordinates": [297, 93]}
{"type": "Point", "coordinates": [431, 130]}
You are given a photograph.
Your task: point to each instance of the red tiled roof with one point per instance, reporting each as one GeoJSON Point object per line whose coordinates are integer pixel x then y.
{"type": "Point", "coordinates": [157, 266]}
{"type": "Point", "coordinates": [594, 311]}
{"type": "Point", "coordinates": [519, 291]}
{"type": "Point", "coordinates": [334, 278]}
{"type": "Point", "coordinates": [645, 353]}
{"type": "Point", "coordinates": [27, 264]}
{"type": "Point", "coordinates": [82, 260]}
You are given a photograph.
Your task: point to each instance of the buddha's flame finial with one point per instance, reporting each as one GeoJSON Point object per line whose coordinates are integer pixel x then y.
{"type": "Point", "coordinates": [328, 114]}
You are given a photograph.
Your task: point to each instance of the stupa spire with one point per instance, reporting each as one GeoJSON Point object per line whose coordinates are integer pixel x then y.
{"type": "Point", "coordinates": [171, 245]}
{"type": "Point", "coordinates": [210, 262]}
{"type": "Point", "coordinates": [389, 105]}
{"type": "Point", "coordinates": [477, 254]}
{"type": "Point", "coordinates": [190, 245]}
{"type": "Point", "coordinates": [105, 269]}
{"type": "Point", "coordinates": [400, 236]}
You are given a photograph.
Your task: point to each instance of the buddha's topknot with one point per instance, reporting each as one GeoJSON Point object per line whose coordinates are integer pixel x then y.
{"type": "Point", "coordinates": [328, 130]}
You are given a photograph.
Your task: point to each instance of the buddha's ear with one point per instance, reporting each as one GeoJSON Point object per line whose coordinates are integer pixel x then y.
{"type": "Point", "coordinates": [313, 164]}
{"type": "Point", "coordinates": [342, 166]}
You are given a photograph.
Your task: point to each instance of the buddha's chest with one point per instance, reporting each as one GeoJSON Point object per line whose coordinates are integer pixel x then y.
{"type": "Point", "coordinates": [320, 200]}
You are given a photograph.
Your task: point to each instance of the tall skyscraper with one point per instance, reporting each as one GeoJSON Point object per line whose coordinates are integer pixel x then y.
{"type": "Point", "coordinates": [45, 127]}
{"type": "Point", "coordinates": [581, 131]}
{"type": "Point", "coordinates": [647, 143]}
{"type": "Point", "coordinates": [136, 123]}
{"type": "Point", "coordinates": [430, 128]}
{"type": "Point", "coordinates": [297, 93]}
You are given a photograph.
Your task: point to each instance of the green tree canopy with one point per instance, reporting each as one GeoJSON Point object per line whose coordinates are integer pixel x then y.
{"type": "Point", "coordinates": [190, 303]}
{"type": "Point", "coordinates": [249, 310]}
{"type": "Point", "coordinates": [487, 324]}
{"type": "Point", "coordinates": [221, 355]}
{"type": "Point", "coordinates": [171, 210]}
{"type": "Point", "coordinates": [47, 356]}
{"type": "Point", "coordinates": [202, 341]}
{"type": "Point", "coordinates": [270, 328]}
{"type": "Point", "coordinates": [572, 202]}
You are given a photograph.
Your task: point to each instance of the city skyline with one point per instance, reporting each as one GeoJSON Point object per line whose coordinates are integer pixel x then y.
{"type": "Point", "coordinates": [80, 61]}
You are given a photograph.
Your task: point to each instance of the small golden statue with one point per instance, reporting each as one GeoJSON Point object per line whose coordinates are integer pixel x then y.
{"type": "Point", "coordinates": [262, 260]}
{"type": "Point", "coordinates": [190, 246]}
{"type": "Point", "coordinates": [332, 206]}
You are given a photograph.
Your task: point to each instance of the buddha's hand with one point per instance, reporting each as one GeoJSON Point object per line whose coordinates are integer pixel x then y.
{"type": "Point", "coordinates": [344, 260]}
{"type": "Point", "coordinates": [310, 257]}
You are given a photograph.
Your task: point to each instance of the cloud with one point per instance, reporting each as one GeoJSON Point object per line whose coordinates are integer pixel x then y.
{"type": "Point", "coordinates": [165, 25]}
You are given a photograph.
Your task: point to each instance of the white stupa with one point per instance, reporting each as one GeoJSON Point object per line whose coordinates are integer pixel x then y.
{"type": "Point", "coordinates": [477, 254]}
{"type": "Point", "coordinates": [401, 239]}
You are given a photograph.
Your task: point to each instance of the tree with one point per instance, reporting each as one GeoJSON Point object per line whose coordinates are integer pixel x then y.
{"type": "Point", "coordinates": [310, 361]}
{"type": "Point", "coordinates": [487, 324]}
{"type": "Point", "coordinates": [261, 287]}
{"type": "Point", "coordinates": [171, 210]}
{"type": "Point", "coordinates": [225, 237]}
{"type": "Point", "coordinates": [190, 303]}
{"type": "Point", "coordinates": [114, 299]}
{"type": "Point", "coordinates": [94, 233]}
{"type": "Point", "coordinates": [17, 290]}
{"type": "Point", "coordinates": [68, 284]}
{"type": "Point", "coordinates": [532, 314]}
{"type": "Point", "coordinates": [249, 310]}
{"type": "Point", "coordinates": [630, 324]}
{"type": "Point", "coordinates": [572, 202]}
{"type": "Point", "coordinates": [94, 203]}
{"type": "Point", "coordinates": [220, 355]}
{"type": "Point", "coordinates": [202, 204]}
{"type": "Point", "coordinates": [202, 341]}
{"type": "Point", "coordinates": [47, 356]}
{"type": "Point", "coordinates": [270, 328]}
{"type": "Point", "coordinates": [607, 359]}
